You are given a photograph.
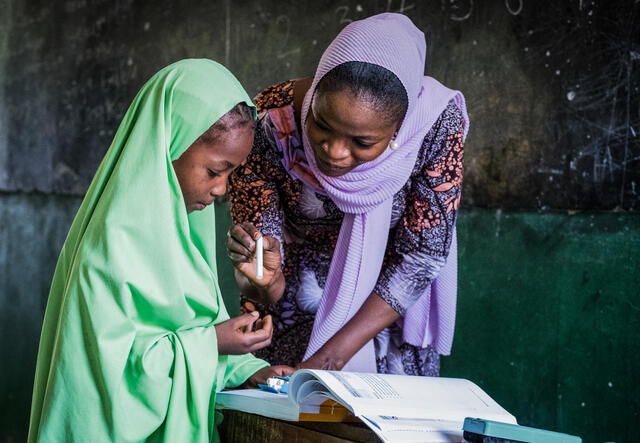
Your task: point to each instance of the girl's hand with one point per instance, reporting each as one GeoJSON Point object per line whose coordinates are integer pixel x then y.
{"type": "Point", "coordinates": [241, 247]}
{"type": "Point", "coordinates": [239, 336]}
{"type": "Point", "coordinates": [270, 371]}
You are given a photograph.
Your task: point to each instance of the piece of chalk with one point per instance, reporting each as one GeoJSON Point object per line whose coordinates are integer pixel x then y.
{"type": "Point", "coordinates": [259, 262]}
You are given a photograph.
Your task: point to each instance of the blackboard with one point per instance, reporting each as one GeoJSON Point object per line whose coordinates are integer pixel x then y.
{"type": "Point", "coordinates": [552, 87]}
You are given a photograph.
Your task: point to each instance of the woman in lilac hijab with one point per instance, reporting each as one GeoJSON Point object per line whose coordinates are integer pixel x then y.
{"type": "Point", "coordinates": [354, 181]}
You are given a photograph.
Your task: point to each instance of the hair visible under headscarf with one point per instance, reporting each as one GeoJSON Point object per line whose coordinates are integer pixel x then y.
{"type": "Point", "coordinates": [377, 86]}
{"type": "Point", "coordinates": [240, 116]}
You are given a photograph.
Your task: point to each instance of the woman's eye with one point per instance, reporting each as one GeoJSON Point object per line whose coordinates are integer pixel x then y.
{"type": "Point", "coordinates": [363, 145]}
{"type": "Point", "coordinates": [320, 125]}
{"type": "Point", "coordinates": [212, 174]}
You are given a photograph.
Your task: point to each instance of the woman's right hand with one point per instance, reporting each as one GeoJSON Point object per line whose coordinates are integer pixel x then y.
{"type": "Point", "coordinates": [241, 247]}
{"type": "Point", "coordinates": [244, 334]}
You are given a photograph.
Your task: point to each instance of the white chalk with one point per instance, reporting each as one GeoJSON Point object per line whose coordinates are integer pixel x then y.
{"type": "Point", "coordinates": [259, 262]}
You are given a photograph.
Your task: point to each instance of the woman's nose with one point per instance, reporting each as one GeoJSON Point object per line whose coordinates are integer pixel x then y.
{"type": "Point", "coordinates": [335, 150]}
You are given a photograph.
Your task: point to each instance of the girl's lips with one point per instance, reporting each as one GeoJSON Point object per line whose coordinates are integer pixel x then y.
{"type": "Point", "coordinates": [199, 206]}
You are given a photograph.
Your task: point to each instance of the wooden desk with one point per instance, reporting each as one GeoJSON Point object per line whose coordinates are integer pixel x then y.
{"type": "Point", "coordinates": [240, 427]}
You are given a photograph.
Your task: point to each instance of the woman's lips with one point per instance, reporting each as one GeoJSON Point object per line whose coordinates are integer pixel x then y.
{"type": "Point", "coordinates": [323, 164]}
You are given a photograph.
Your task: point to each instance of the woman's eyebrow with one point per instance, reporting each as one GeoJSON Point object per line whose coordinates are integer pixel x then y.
{"type": "Point", "coordinates": [318, 117]}
{"type": "Point", "coordinates": [366, 137]}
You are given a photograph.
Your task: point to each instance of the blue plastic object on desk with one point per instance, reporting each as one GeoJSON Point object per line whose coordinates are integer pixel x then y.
{"type": "Point", "coordinates": [477, 430]}
{"type": "Point", "coordinates": [277, 385]}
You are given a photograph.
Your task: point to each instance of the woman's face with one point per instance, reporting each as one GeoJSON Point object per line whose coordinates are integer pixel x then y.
{"type": "Point", "coordinates": [204, 168]}
{"type": "Point", "coordinates": [344, 132]}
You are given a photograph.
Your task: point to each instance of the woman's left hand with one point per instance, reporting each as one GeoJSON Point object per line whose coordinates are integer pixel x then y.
{"type": "Point", "coordinates": [264, 373]}
{"type": "Point", "coordinates": [372, 317]}
{"type": "Point", "coordinates": [320, 361]}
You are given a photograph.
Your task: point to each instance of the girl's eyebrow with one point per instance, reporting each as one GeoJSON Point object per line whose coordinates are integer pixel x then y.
{"type": "Point", "coordinates": [223, 165]}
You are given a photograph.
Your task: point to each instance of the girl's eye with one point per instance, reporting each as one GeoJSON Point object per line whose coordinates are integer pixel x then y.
{"type": "Point", "coordinates": [212, 174]}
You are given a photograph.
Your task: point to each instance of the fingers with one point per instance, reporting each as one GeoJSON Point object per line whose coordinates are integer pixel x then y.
{"type": "Point", "coordinates": [245, 320]}
{"type": "Point", "coordinates": [245, 333]}
{"type": "Point", "coordinates": [282, 371]}
{"type": "Point", "coordinates": [266, 324]}
{"type": "Point", "coordinates": [255, 340]}
{"type": "Point", "coordinates": [259, 338]}
{"type": "Point", "coordinates": [241, 242]}
{"type": "Point", "coordinates": [253, 232]}
{"type": "Point", "coordinates": [261, 375]}
{"type": "Point", "coordinates": [237, 251]}
{"type": "Point", "coordinates": [247, 307]}
{"type": "Point", "coordinates": [271, 244]}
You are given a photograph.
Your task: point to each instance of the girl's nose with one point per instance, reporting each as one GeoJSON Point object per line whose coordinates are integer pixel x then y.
{"type": "Point", "coordinates": [219, 188]}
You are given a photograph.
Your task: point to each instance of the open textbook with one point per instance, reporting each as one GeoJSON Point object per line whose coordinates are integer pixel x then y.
{"type": "Point", "coordinates": [396, 407]}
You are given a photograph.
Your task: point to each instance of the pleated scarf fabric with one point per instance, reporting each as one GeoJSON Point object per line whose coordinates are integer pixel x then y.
{"type": "Point", "coordinates": [365, 194]}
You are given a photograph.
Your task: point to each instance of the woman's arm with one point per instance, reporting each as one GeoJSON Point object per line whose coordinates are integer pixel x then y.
{"type": "Point", "coordinates": [373, 316]}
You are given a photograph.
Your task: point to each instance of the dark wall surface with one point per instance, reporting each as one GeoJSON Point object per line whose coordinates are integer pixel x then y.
{"type": "Point", "coordinates": [552, 87]}
{"type": "Point", "coordinates": [549, 294]}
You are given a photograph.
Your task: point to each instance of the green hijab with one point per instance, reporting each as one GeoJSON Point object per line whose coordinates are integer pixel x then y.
{"type": "Point", "coordinates": [128, 350]}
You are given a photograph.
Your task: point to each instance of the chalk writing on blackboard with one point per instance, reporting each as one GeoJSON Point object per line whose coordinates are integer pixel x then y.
{"type": "Point", "coordinates": [515, 8]}
{"type": "Point", "coordinates": [462, 10]}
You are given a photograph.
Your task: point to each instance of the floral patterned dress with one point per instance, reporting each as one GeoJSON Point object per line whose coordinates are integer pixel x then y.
{"type": "Point", "coordinates": [307, 225]}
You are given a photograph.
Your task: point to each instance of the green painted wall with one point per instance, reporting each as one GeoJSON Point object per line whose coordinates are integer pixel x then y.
{"type": "Point", "coordinates": [549, 318]}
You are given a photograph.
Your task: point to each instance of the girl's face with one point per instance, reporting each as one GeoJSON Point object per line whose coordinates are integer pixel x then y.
{"type": "Point", "coordinates": [344, 132]}
{"type": "Point", "coordinates": [204, 168]}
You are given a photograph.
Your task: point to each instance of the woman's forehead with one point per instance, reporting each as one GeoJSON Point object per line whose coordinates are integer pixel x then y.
{"type": "Point", "coordinates": [348, 112]}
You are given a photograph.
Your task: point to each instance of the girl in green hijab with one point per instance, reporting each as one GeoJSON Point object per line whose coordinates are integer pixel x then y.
{"type": "Point", "coordinates": [136, 340]}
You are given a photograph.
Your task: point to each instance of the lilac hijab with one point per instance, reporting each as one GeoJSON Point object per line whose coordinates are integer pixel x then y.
{"type": "Point", "coordinates": [365, 194]}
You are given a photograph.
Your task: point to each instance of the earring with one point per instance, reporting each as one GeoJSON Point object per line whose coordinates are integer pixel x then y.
{"type": "Point", "coordinates": [394, 144]}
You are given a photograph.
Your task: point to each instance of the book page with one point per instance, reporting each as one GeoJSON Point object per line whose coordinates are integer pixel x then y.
{"type": "Point", "coordinates": [317, 407]}
{"type": "Point", "coordinates": [256, 401]}
{"type": "Point", "coordinates": [395, 429]}
{"type": "Point", "coordinates": [411, 396]}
